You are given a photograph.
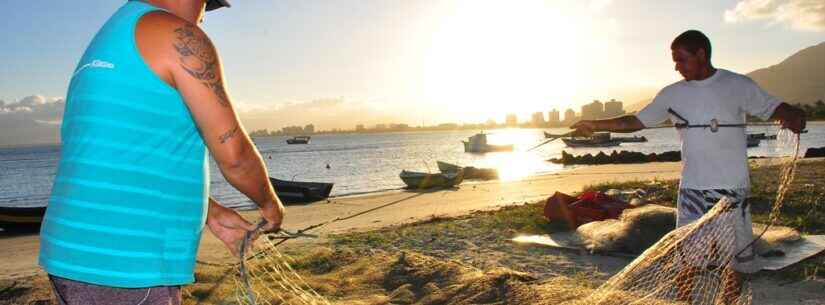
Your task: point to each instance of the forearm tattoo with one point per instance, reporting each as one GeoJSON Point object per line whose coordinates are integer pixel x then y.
{"type": "Point", "coordinates": [229, 134]}
{"type": "Point", "coordinates": [199, 60]}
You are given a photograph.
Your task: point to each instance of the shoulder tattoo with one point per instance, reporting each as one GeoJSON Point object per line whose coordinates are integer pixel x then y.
{"type": "Point", "coordinates": [199, 60]}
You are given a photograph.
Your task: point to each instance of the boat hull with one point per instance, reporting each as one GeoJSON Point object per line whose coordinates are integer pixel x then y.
{"type": "Point", "coordinates": [21, 218]}
{"type": "Point", "coordinates": [418, 180]}
{"type": "Point", "coordinates": [299, 191]}
{"type": "Point", "coordinates": [575, 143]}
{"type": "Point", "coordinates": [469, 171]}
{"type": "Point", "coordinates": [486, 148]}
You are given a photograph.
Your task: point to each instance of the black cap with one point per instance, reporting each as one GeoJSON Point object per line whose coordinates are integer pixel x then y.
{"type": "Point", "coordinates": [216, 4]}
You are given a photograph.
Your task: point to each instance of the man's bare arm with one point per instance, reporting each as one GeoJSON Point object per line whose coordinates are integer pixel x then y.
{"type": "Point", "coordinates": [193, 64]}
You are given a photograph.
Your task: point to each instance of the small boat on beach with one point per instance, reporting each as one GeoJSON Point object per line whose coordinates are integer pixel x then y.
{"type": "Point", "coordinates": [419, 180]}
{"type": "Point", "coordinates": [298, 140]}
{"type": "Point", "coordinates": [478, 144]}
{"type": "Point", "coordinates": [633, 139]}
{"type": "Point", "coordinates": [469, 171]}
{"type": "Point", "coordinates": [300, 191]}
{"type": "Point", "coordinates": [599, 139]}
{"type": "Point", "coordinates": [15, 218]}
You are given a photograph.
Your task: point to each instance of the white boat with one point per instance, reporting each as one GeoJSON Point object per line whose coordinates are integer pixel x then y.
{"type": "Point", "coordinates": [478, 144]}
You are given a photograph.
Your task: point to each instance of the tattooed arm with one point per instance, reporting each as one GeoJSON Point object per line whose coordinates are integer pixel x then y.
{"type": "Point", "coordinates": [181, 53]}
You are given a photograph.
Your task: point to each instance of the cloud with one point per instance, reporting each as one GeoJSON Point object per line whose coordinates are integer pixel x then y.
{"type": "Point", "coordinates": [804, 15]}
{"type": "Point", "coordinates": [32, 119]}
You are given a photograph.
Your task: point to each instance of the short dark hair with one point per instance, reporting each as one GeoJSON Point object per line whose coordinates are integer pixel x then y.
{"type": "Point", "coordinates": [692, 41]}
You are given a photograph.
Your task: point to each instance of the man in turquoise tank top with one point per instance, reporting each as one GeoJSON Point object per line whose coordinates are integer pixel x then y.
{"type": "Point", "coordinates": [145, 108]}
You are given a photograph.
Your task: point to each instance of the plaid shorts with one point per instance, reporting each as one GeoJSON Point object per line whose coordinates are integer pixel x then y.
{"type": "Point", "coordinates": [693, 204]}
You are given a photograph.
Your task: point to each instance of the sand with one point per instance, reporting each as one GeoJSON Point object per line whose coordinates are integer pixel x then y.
{"type": "Point", "coordinates": [19, 253]}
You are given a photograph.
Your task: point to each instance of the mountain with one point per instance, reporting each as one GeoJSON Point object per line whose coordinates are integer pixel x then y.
{"type": "Point", "coordinates": [798, 79]}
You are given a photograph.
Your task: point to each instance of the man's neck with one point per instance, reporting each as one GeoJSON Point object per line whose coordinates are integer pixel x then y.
{"type": "Point", "coordinates": [707, 72]}
{"type": "Point", "coordinates": [189, 10]}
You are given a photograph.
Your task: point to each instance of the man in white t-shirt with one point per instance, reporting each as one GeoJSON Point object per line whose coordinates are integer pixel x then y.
{"type": "Point", "coordinates": [709, 108]}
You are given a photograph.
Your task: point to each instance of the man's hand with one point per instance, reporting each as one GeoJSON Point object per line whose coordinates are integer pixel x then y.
{"type": "Point", "coordinates": [228, 226]}
{"type": "Point", "coordinates": [273, 212]}
{"type": "Point", "coordinates": [795, 120]}
{"type": "Point", "coordinates": [584, 128]}
{"type": "Point", "coordinates": [791, 117]}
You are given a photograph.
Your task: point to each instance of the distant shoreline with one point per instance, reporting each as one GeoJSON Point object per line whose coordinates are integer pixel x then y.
{"type": "Point", "coordinates": [5, 146]}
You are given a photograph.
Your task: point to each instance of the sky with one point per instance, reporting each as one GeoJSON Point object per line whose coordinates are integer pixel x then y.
{"type": "Point", "coordinates": [337, 63]}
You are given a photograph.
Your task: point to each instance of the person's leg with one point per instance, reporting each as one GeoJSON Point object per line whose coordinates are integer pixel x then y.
{"type": "Point", "coordinates": [689, 207]}
{"type": "Point", "coordinates": [744, 259]}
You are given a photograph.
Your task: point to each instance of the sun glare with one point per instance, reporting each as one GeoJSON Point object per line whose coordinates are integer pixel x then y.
{"type": "Point", "coordinates": [491, 57]}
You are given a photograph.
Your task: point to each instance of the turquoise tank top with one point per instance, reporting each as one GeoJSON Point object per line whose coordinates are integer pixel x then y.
{"type": "Point", "coordinates": [130, 196]}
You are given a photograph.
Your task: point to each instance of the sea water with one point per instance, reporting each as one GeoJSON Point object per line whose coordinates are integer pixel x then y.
{"type": "Point", "coordinates": [365, 163]}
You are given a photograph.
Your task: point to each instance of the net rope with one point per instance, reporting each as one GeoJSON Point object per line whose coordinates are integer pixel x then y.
{"type": "Point", "coordinates": [693, 264]}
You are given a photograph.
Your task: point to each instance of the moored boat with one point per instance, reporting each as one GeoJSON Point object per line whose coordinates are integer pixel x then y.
{"type": "Point", "coordinates": [478, 144]}
{"type": "Point", "coordinates": [298, 140]}
{"type": "Point", "coordinates": [300, 191]}
{"type": "Point", "coordinates": [13, 218]}
{"type": "Point", "coordinates": [599, 139]}
{"type": "Point", "coordinates": [633, 139]}
{"type": "Point", "coordinates": [419, 180]}
{"type": "Point", "coordinates": [469, 171]}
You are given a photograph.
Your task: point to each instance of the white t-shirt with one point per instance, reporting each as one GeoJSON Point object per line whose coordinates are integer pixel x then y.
{"type": "Point", "coordinates": [712, 160]}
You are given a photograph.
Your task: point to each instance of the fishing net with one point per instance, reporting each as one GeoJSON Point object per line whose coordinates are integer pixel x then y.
{"type": "Point", "coordinates": [692, 264]}
{"type": "Point", "coordinates": [267, 278]}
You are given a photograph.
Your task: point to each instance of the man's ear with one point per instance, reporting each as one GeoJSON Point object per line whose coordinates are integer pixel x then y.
{"type": "Point", "coordinates": [701, 53]}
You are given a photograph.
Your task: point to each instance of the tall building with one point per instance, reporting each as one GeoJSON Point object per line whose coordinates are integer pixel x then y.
{"type": "Point", "coordinates": [613, 108]}
{"type": "Point", "coordinates": [537, 119]}
{"type": "Point", "coordinates": [593, 111]}
{"type": "Point", "coordinates": [511, 120]}
{"type": "Point", "coordinates": [570, 116]}
{"type": "Point", "coordinates": [553, 117]}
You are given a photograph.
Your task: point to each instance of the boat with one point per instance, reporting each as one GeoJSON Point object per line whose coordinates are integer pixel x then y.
{"type": "Point", "coordinates": [298, 140]}
{"type": "Point", "coordinates": [469, 171]}
{"type": "Point", "coordinates": [17, 218]}
{"type": "Point", "coordinates": [599, 139]}
{"type": "Point", "coordinates": [761, 136]}
{"type": "Point", "coordinates": [551, 135]}
{"type": "Point", "coordinates": [300, 191]}
{"type": "Point", "coordinates": [753, 142]}
{"type": "Point", "coordinates": [419, 180]}
{"type": "Point", "coordinates": [478, 144]}
{"type": "Point", "coordinates": [633, 139]}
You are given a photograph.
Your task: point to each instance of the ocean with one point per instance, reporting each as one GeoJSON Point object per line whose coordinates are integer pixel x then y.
{"type": "Point", "coordinates": [367, 163]}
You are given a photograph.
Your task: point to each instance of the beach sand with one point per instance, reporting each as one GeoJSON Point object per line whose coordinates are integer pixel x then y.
{"type": "Point", "coordinates": [20, 252]}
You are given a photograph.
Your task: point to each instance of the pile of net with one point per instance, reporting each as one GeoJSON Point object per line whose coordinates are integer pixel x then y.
{"type": "Point", "coordinates": [689, 265]}
{"type": "Point", "coordinates": [268, 279]}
